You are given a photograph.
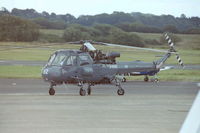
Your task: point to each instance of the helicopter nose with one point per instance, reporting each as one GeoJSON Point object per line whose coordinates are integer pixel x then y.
{"type": "Point", "coordinates": [51, 73]}
{"type": "Point", "coordinates": [45, 72]}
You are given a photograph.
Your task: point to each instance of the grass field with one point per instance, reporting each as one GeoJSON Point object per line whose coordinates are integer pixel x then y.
{"type": "Point", "coordinates": [173, 75]}
{"type": "Point", "coordinates": [52, 32]}
{"type": "Point", "coordinates": [188, 47]}
{"type": "Point", "coordinates": [35, 72]}
{"type": "Point", "coordinates": [20, 71]}
{"type": "Point", "coordinates": [41, 52]}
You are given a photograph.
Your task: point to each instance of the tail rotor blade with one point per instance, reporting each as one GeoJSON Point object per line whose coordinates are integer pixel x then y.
{"type": "Point", "coordinates": [171, 45]}
{"type": "Point", "coordinates": [167, 37]}
{"type": "Point", "coordinates": [169, 41]}
{"type": "Point", "coordinates": [172, 49]}
{"type": "Point", "coordinates": [179, 60]}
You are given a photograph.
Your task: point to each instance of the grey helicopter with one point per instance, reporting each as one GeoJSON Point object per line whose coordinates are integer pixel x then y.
{"type": "Point", "coordinates": [91, 66]}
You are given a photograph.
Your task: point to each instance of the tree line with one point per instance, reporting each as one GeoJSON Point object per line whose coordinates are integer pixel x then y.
{"type": "Point", "coordinates": [17, 29]}
{"type": "Point", "coordinates": [102, 33]}
{"type": "Point", "coordinates": [129, 22]}
{"type": "Point", "coordinates": [21, 28]}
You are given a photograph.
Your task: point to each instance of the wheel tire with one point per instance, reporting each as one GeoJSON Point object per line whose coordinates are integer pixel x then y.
{"type": "Point", "coordinates": [120, 92]}
{"type": "Point", "coordinates": [89, 91]}
{"type": "Point", "coordinates": [52, 91]}
{"type": "Point", "coordinates": [146, 79]}
{"type": "Point", "coordinates": [82, 92]}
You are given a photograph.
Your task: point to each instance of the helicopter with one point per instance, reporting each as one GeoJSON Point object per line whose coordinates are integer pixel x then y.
{"type": "Point", "coordinates": [91, 66]}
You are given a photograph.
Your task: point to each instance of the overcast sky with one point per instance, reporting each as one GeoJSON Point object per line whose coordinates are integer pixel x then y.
{"type": "Point", "coordinates": [92, 7]}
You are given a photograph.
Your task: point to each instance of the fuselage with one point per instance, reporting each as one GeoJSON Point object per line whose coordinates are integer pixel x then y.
{"type": "Point", "coordinates": [74, 66]}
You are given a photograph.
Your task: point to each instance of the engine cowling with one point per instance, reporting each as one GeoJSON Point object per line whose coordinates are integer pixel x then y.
{"type": "Point", "coordinates": [113, 55]}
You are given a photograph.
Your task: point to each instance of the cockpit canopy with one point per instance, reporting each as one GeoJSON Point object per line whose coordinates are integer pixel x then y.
{"type": "Point", "coordinates": [69, 58]}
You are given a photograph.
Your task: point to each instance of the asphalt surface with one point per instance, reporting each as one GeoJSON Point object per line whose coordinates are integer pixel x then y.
{"type": "Point", "coordinates": [42, 63]}
{"type": "Point", "coordinates": [25, 106]}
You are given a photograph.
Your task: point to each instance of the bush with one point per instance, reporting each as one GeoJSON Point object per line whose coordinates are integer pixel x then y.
{"type": "Point", "coordinates": [173, 37]}
{"type": "Point", "coordinates": [17, 29]}
{"type": "Point", "coordinates": [138, 27]}
{"type": "Point", "coordinates": [102, 33]}
{"type": "Point", "coordinates": [171, 28]}
{"type": "Point", "coordinates": [192, 31]}
{"type": "Point", "coordinates": [49, 38]}
{"type": "Point", "coordinates": [152, 42]}
{"type": "Point", "coordinates": [121, 37]}
{"type": "Point", "coordinates": [46, 24]}
{"type": "Point", "coordinates": [75, 33]}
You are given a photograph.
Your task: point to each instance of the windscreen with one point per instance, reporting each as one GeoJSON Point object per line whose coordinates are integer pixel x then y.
{"type": "Point", "coordinates": [58, 59]}
{"type": "Point", "coordinates": [51, 59]}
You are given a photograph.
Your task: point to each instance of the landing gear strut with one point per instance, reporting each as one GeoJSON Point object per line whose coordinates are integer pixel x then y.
{"type": "Point", "coordinates": [89, 89]}
{"type": "Point", "coordinates": [146, 78]}
{"type": "Point", "coordinates": [52, 90]}
{"type": "Point", "coordinates": [120, 90]}
{"type": "Point", "coordinates": [156, 80]}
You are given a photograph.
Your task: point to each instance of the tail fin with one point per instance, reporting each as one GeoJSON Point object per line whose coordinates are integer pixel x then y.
{"type": "Point", "coordinates": [161, 61]}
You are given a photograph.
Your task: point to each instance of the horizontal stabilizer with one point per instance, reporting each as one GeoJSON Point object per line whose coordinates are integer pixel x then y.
{"type": "Point", "coordinates": [166, 68]}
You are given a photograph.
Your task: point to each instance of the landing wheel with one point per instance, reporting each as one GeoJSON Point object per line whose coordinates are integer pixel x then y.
{"type": "Point", "coordinates": [89, 90]}
{"type": "Point", "coordinates": [146, 79]}
{"type": "Point", "coordinates": [51, 91]}
{"type": "Point", "coordinates": [82, 92]}
{"type": "Point", "coordinates": [120, 92]}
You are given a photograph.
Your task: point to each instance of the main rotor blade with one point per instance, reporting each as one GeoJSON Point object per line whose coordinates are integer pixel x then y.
{"type": "Point", "coordinates": [125, 46]}
{"type": "Point", "coordinates": [76, 42]}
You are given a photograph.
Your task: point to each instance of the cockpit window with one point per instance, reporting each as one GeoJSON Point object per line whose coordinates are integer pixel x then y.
{"type": "Point", "coordinates": [71, 60]}
{"type": "Point", "coordinates": [51, 59]}
{"type": "Point", "coordinates": [59, 59]}
{"type": "Point", "coordinates": [84, 59]}
{"type": "Point", "coordinates": [62, 59]}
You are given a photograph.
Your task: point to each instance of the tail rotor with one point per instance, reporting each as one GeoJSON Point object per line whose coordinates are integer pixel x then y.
{"type": "Point", "coordinates": [172, 49]}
